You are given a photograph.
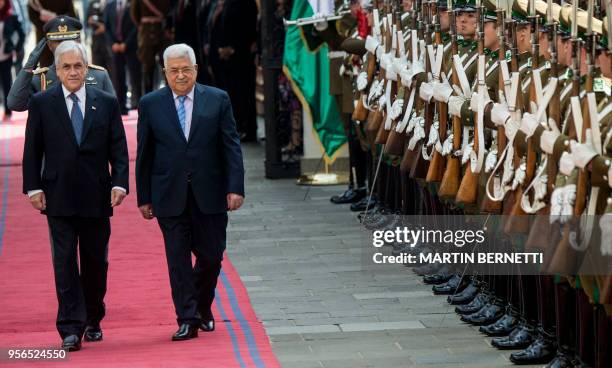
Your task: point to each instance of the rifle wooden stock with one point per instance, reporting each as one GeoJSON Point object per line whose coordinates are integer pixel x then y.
{"type": "Point", "coordinates": [360, 113]}
{"type": "Point", "coordinates": [373, 124]}
{"type": "Point", "coordinates": [382, 135]}
{"type": "Point", "coordinates": [449, 186]}
{"type": "Point", "coordinates": [606, 293]}
{"type": "Point", "coordinates": [468, 189]}
{"type": "Point", "coordinates": [436, 169]}
{"type": "Point", "coordinates": [395, 142]}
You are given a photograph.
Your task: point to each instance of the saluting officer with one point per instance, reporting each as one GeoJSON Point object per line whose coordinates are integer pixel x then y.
{"type": "Point", "coordinates": [30, 80]}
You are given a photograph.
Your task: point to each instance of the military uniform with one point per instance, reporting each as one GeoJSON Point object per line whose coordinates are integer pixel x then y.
{"type": "Point", "coordinates": [38, 8]}
{"type": "Point", "coordinates": [149, 17]}
{"type": "Point", "coordinates": [95, 19]}
{"type": "Point", "coordinates": [28, 81]}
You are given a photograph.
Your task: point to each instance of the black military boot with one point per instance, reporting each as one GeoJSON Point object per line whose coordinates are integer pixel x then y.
{"type": "Point", "coordinates": [441, 276]}
{"type": "Point", "coordinates": [520, 338]}
{"type": "Point", "coordinates": [363, 204]}
{"type": "Point", "coordinates": [541, 351]}
{"type": "Point", "coordinates": [479, 301]}
{"type": "Point", "coordinates": [563, 359]}
{"type": "Point", "coordinates": [486, 315]}
{"type": "Point", "coordinates": [456, 283]}
{"type": "Point", "coordinates": [466, 295]}
{"type": "Point", "coordinates": [503, 326]}
{"type": "Point", "coordinates": [349, 196]}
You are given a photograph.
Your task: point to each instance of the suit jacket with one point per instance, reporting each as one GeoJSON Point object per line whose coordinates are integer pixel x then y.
{"type": "Point", "coordinates": [128, 28]}
{"type": "Point", "coordinates": [167, 163]}
{"type": "Point", "coordinates": [75, 178]}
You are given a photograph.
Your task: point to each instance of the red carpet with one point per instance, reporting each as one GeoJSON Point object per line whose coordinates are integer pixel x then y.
{"type": "Point", "coordinates": [140, 317]}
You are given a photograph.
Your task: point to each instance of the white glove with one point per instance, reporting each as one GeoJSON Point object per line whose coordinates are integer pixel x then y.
{"type": "Point", "coordinates": [426, 91]}
{"type": "Point", "coordinates": [399, 65]}
{"type": "Point", "coordinates": [547, 141]}
{"type": "Point", "coordinates": [386, 61]}
{"type": "Point", "coordinates": [321, 25]}
{"type": "Point", "coordinates": [582, 153]}
{"type": "Point", "coordinates": [500, 114]}
{"type": "Point", "coordinates": [566, 164]}
{"type": "Point", "coordinates": [379, 53]}
{"type": "Point", "coordinates": [454, 105]}
{"type": "Point", "coordinates": [371, 44]}
{"type": "Point", "coordinates": [528, 124]}
{"type": "Point", "coordinates": [417, 68]}
{"type": "Point", "coordinates": [442, 91]}
{"type": "Point", "coordinates": [362, 81]}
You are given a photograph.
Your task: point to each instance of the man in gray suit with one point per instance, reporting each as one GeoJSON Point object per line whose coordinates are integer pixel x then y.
{"type": "Point", "coordinates": [31, 80]}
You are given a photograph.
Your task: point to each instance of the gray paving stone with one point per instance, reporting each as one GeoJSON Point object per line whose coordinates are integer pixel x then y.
{"type": "Point", "coordinates": [303, 264]}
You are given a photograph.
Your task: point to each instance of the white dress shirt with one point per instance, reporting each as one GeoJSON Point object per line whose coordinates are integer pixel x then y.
{"type": "Point", "coordinates": [188, 109]}
{"type": "Point", "coordinates": [81, 95]}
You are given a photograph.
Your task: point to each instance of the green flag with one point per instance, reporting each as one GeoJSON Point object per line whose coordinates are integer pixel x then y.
{"type": "Point", "coordinates": [308, 71]}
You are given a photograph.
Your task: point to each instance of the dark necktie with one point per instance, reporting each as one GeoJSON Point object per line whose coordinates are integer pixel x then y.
{"type": "Point", "coordinates": [76, 117]}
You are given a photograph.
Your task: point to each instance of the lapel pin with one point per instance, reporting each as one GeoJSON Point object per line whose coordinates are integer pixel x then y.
{"type": "Point", "coordinates": [93, 107]}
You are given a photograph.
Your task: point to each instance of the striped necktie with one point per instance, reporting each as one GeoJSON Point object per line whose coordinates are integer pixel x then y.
{"type": "Point", "coordinates": [182, 116]}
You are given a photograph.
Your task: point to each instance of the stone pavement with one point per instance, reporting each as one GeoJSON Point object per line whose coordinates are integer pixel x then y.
{"type": "Point", "coordinates": [300, 260]}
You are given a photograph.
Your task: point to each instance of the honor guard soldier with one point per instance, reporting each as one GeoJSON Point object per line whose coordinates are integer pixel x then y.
{"type": "Point", "coordinates": [30, 80]}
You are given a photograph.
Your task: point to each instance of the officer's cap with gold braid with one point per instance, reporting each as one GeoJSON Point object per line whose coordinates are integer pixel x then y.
{"type": "Point", "coordinates": [465, 5]}
{"type": "Point", "coordinates": [62, 28]}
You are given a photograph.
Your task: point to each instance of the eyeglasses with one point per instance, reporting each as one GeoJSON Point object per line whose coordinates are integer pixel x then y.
{"type": "Point", "coordinates": [188, 71]}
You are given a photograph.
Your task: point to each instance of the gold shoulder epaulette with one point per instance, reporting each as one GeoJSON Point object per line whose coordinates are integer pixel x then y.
{"type": "Point", "coordinates": [40, 70]}
{"type": "Point", "coordinates": [94, 66]}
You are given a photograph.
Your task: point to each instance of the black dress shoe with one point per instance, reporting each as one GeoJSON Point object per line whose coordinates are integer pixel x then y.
{"type": "Point", "coordinates": [502, 327]}
{"type": "Point", "coordinates": [475, 305]}
{"type": "Point", "coordinates": [520, 338]}
{"type": "Point", "coordinates": [541, 351]}
{"type": "Point", "coordinates": [350, 196]}
{"type": "Point", "coordinates": [93, 333]}
{"type": "Point", "coordinates": [185, 332]}
{"type": "Point", "coordinates": [465, 296]}
{"type": "Point", "coordinates": [71, 343]}
{"type": "Point", "coordinates": [485, 316]}
{"type": "Point", "coordinates": [363, 204]}
{"type": "Point", "coordinates": [208, 325]}
{"type": "Point", "coordinates": [456, 283]}
{"type": "Point", "coordinates": [562, 360]}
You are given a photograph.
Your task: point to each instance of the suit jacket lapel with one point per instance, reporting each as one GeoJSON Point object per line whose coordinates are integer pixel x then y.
{"type": "Point", "coordinates": [198, 109]}
{"type": "Point", "coordinates": [62, 112]}
{"type": "Point", "coordinates": [170, 108]}
{"type": "Point", "coordinates": [90, 110]}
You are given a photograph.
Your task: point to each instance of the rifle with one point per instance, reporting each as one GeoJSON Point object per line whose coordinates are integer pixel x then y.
{"type": "Point", "coordinates": [563, 258]}
{"type": "Point", "coordinates": [540, 234]}
{"type": "Point", "coordinates": [383, 133]}
{"type": "Point", "coordinates": [375, 117]}
{"type": "Point", "coordinates": [450, 180]}
{"type": "Point", "coordinates": [488, 205]}
{"type": "Point", "coordinates": [468, 189]}
{"type": "Point", "coordinates": [396, 140]}
{"type": "Point", "coordinates": [435, 171]}
{"type": "Point", "coordinates": [518, 222]}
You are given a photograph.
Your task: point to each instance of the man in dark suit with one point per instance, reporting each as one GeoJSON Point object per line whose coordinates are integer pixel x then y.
{"type": "Point", "coordinates": [189, 173]}
{"type": "Point", "coordinates": [73, 133]}
{"type": "Point", "coordinates": [121, 38]}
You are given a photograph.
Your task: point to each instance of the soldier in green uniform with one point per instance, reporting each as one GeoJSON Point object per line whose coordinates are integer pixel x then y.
{"type": "Point", "coordinates": [30, 80]}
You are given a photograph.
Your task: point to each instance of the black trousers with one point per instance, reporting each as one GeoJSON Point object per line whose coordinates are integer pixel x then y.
{"type": "Point", "coordinates": [6, 78]}
{"type": "Point", "coordinates": [122, 62]}
{"type": "Point", "coordinates": [80, 294]}
{"type": "Point", "coordinates": [193, 286]}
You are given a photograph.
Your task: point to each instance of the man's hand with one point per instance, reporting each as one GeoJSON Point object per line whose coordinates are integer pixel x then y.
{"type": "Point", "coordinates": [38, 201]}
{"type": "Point", "coordinates": [147, 211]}
{"type": "Point", "coordinates": [225, 53]}
{"type": "Point", "coordinates": [46, 15]}
{"type": "Point", "coordinates": [35, 54]}
{"type": "Point", "coordinates": [117, 197]}
{"type": "Point", "coordinates": [234, 201]}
